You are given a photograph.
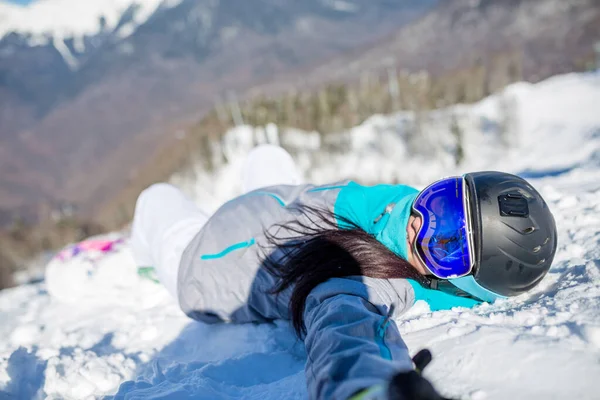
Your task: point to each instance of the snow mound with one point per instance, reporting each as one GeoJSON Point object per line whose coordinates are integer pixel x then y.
{"type": "Point", "coordinates": [124, 336]}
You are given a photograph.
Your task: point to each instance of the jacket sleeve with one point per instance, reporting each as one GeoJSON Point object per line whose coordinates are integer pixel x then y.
{"type": "Point", "coordinates": [352, 341]}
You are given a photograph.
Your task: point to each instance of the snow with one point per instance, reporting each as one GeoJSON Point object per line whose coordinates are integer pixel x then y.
{"type": "Point", "coordinates": [63, 19]}
{"type": "Point", "coordinates": [109, 332]}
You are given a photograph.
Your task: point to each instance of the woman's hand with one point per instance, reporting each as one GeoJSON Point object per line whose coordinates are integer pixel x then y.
{"type": "Point", "coordinates": [405, 385]}
{"type": "Point", "coordinates": [412, 386]}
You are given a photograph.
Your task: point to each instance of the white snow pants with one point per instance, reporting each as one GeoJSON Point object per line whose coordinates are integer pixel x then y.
{"type": "Point", "coordinates": [165, 220]}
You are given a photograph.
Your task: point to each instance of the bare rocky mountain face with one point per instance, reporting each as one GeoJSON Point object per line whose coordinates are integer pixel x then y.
{"type": "Point", "coordinates": [544, 37]}
{"type": "Point", "coordinates": [78, 114]}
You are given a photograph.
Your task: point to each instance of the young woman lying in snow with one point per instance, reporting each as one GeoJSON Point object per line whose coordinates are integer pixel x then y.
{"type": "Point", "coordinates": [341, 261]}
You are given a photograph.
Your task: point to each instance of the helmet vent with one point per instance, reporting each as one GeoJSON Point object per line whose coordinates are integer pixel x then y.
{"type": "Point", "coordinates": [543, 260]}
{"type": "Point", "coordinates": [537, 249]}
{"type": "Point", "coordinates": [546, 241]}
{"type": "Point", "coordinates": [513, 205]}
{"type": "Point", "coordinates": [529, 230]}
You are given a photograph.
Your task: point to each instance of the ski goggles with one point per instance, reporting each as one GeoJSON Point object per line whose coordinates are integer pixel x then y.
{"type": "Point", "coordinates": [444, 244]}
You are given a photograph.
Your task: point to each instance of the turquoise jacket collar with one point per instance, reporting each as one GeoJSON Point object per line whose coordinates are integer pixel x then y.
{"type": "Point", "coordinates": [391, 228]}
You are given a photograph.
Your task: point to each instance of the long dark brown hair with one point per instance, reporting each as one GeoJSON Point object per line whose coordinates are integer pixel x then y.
{"type": "Point", "coordinates": [313, 248]}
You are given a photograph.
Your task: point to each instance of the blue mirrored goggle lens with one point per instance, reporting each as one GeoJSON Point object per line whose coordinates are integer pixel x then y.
{"type": "Point", "coordinates": [442, 243]}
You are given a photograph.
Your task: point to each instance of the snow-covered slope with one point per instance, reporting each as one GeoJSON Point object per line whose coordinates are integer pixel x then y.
{"type": "Point", "coordinates": [534, 130]}
{"type": "Point", "coordinates": [126, 336]}
{"type": "Point", "coordinates": [60, 19]}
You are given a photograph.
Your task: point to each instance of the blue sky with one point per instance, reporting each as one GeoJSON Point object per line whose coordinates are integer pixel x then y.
{"type": "Point", "coordinates": [20, 1]}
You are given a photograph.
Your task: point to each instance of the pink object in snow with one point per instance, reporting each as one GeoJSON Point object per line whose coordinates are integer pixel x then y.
{"type": "Point", "coordinates": [92, 245]}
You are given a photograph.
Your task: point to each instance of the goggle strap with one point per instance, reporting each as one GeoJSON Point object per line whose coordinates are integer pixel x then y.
{"type": "Point", "coordinates": [433, 283]}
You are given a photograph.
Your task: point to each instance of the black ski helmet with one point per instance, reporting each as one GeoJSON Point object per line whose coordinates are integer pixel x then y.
{"type": "Point", "coordinates": [514, 232]}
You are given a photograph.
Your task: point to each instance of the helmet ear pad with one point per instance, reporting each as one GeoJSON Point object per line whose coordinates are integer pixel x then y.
{"type": "Point", "coordinates": [514, 232]}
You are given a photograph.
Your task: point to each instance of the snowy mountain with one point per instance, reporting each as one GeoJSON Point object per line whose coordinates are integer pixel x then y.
{"type": "Point", "coordinates": [113, 333]}
{"type": "Point", "coordinates": [90, 89]}
{"type": "Point", "coordinates": [45, 21]}
{"type": "Point", "coordinates": [89, 84]}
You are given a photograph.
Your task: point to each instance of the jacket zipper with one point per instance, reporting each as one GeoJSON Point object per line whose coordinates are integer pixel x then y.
{"type": "Point", "coordinates": [380, 335]}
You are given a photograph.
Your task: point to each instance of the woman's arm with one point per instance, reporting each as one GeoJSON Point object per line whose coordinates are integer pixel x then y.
{"type": "Point", "coordinates": [351, 342]}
